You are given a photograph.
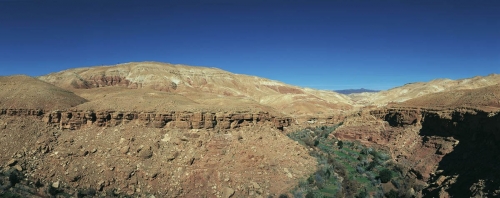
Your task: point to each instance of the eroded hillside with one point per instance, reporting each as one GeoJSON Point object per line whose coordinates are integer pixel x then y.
{"type": "Point", "coordinates": [148, 128]}
{"type": "Point", "coordinates": [195, 87]}
{"type": "Point", "coordinates": [30, 93]}
{"type": "Point", "coordinates": [418, 89]}
{"type": "Point", "coordinates": [448, 140]}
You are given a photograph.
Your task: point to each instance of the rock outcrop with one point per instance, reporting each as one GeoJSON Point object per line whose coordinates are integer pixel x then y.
{"type": "Point", "coordinates": [183, 120]}
{"type": "Point", "coordinates": [453, 150]}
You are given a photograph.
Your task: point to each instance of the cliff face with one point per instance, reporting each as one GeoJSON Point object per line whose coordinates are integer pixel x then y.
{"type": "Point", "coordinates": [183, 120]}
{"type": "Point", "coordinates": [454, 150]}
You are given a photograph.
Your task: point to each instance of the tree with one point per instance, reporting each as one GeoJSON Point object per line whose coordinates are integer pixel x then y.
{"type": "Point", "coordinates": [340, 144]}
{"type": "Point", "coordinates": [316, 142]}
{"type": "Point", "coordinates": [385, 175]}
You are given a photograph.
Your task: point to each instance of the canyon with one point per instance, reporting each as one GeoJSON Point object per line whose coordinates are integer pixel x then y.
{"type": "Point", "coordinates": [157, 129]}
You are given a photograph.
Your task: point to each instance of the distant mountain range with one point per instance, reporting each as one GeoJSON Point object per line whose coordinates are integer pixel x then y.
{"type": "Point", "coordinates": [350, 91]}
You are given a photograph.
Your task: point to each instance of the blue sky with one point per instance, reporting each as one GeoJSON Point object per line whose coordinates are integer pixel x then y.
{"type": "Point", "coordinates": [323, 44]}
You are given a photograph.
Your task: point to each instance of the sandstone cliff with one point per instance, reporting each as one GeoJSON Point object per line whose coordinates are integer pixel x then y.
{"type": "Point", "coordinates": [453, 150]}
{"type": "Point", "coordinates": [183, 120]}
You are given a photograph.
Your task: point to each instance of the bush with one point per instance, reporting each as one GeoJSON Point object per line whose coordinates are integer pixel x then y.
{"type": "Point", "coordinates": [340, 144]}
{"type": "Point", "coordinates": [375, 154]}
{"type": "Point", "coordinates": [351, 187]}
{"type": "Point", "coordinates": [396, 183]}
{"type": "Point", "coordinates": [283, 196]}
{"type": "Point", "coordinates": [309, 142]}
{"type": "Point", "coordinates": [360, 170]}
{"type": "Point", "coordinates": [318, 178]}
{"type": "Point", "coordinates": [14, 178]}
{"type": "Point", "coordinates": [364, 151]}
{"type": "Point", "coordinates": [310, 194]}
{"type": "Point", "coordinates": [385, 175]}
{"type": "Point", "coordinates": [362, 194]}
{"type": "Point", "coordinates": [316, 142]}
{"type": "Point", "coordinates": [371, 165]}
{"type": "Point", "coordinates": [392, 194]}
{"type": "Point", "coordinates": [310, 180]}
{"type": "Point", "coordinates": [298, 193]}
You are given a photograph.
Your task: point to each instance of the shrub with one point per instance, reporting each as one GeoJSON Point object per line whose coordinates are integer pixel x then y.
{"type": "Point", "coordinates": [383, 156]}
{"type": "Point", "coordinates": [392, 194]}
{"type": "Point", "coordinates": [283, 196]}
{"type": "Point", "coordinates": [365, 151]}
{"type": "Point", "coordinates": [316, 142]}
{"type": "Point", "coordinates": [340, 144]}
{"type": "Point", "coordinates": [351, 187]}
{"type": "Point", "coordinates": [303, 184]}
{"type": "Point", "coordinates": [360, 170]}
{"type": "Point", "coordinates": [396, 183]}
{"type": "Point", "coordinates": [298, 193]}
{"type": "Point", "coordinates": [318, 178]}
{"type": "Point", "coordinates": [310, 194]}
{"type": "Point", "coordinates": [14, 178]}
{"type": "Point", "coordinates": [375, 154]}
{"type": "Point", "coordinates": [309, 142]}
{"type": "Point", "coordinates": [371, 165]}
{"type": "Point", "coordinates": [310, 180]}
{"type": "Point", "coordinates": [362, 194]}
{"type": "Point", "coordinates": [385, 175]}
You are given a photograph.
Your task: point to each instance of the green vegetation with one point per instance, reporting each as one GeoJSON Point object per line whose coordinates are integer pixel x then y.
{"type": "Point", "coordinates": [385, 175]}
{"type": "Point", "coordinates": [347, 169]}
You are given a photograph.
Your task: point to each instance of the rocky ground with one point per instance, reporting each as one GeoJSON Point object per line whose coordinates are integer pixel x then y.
{"type": "Point", "coordinates": [129, 159]}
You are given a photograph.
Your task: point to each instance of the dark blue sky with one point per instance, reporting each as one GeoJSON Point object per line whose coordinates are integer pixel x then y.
{"type": "Point", "coordinates": [324, 44]}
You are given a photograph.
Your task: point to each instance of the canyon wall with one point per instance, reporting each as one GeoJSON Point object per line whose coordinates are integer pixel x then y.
{"type": "Point", "coordinates": [183, 120]}
{"type": "Point", "coordinates": [454, 150]}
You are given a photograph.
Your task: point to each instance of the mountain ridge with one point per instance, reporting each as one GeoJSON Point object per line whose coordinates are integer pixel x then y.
{"type": "Point", "coordinates": [200, 85]}
{"type": "Point", "coordinates": [351, 91]}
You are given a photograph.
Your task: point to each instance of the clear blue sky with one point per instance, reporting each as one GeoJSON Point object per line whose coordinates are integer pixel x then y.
{"type": "Point", "coordinates": [324, 44]}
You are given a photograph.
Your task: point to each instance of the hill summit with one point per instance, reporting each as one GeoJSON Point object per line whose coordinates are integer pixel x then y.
{"type": "Point", "coordinates": [163, 85]}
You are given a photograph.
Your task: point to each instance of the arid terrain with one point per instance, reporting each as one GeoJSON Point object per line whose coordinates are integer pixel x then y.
{"type": "Point", "coordinates": [151, 129]}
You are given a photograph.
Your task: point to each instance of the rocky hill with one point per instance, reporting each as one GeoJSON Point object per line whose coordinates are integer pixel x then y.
{"type": "Point", "coordinates": [188, 87]}
{"type": "Point", "coordinates": [353, 91]}
{"type": "Point", "coordinates": [24, 92]}
{"type": "Point", "coordinates": [484, 97]}
{"type": "Point", "coordinates": [415, 90]}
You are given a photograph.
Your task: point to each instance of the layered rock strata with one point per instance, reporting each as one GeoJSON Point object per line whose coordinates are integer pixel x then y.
{"type": "Point", "coordinates": [453, 150]}
{"type": "Point", "coordinates": [183, 120]}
